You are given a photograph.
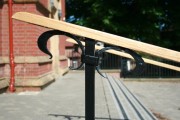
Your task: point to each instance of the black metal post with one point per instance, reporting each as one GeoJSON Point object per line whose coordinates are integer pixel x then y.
{"type": "Point", "coordinates": [91, 61]}
{"type": "Point", "coordinates": [89, 81]}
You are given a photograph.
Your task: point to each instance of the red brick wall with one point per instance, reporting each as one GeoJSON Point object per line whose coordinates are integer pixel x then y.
{"type": "Point", "coordinates": [62, 45]}
{"type": "Point", "coordinates": [29, 70]}
{"type": "Point", "coordinates": [2, 73]}
{"type": "Point", "coordinates": [25, 41]}
{"type": "Point", "coordinates": [2, 43]}
{"type": "Point", "coordinates": [26, 35]}
{"type": "Point", "coordinates": [4, 30]}
{"type": "Point", "coordinates": [63, 63]}
{"type": "Point", "coordinates": [44, 3]}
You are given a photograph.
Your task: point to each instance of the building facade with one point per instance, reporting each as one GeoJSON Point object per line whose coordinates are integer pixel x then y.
{"type": "Point", "coordinates": [33, 69]}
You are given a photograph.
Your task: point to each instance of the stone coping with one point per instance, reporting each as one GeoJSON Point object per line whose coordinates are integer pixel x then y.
{"type": "Point", "coordinates": [35, 81]}
{"type": "Point", "coordinates": [38, 81]}
{"type": "Point", "coordinates": [30, 59]}
{"type": "Point", "coordinates": [26, 59]}
{"type": "Point", "coordinates": [3, 83]}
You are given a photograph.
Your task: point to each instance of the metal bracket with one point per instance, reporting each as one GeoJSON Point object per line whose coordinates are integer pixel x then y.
{"type": "Point", "coordinates": [138, 59]}
{"type": "Point", "coordinates": [92, 61]}
{"type": "Point", "coordinates": [43, 38]}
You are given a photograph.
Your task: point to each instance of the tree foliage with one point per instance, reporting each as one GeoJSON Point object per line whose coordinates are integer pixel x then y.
{"type": "Point", "coordinates": [151, 21]}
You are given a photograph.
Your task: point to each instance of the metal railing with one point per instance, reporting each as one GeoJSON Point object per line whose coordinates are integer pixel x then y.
{"type": "Point", "coordinates": [89, 57]}
{"type": "Point", "coordinates": [111, 61]}
{"type": "Point", "coordinates": [150, 71]}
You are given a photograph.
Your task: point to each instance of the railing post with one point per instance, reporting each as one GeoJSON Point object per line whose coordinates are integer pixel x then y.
{"type": "Point", "coordinates": [89, 81]}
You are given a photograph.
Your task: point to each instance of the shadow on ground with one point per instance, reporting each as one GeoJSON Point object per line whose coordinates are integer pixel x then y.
{"type": "Point", "coordinates": [71, 117]}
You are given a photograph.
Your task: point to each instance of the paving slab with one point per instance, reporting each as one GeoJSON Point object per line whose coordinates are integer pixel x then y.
{"type": "Point", "coordinates": [62, 100]}
{"type": "Point", "coordinates": [65, 98]}
{"type": "Point", "coordinates": [160, 97]}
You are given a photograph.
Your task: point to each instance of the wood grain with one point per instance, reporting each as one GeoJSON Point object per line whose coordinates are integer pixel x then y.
{"type": "Point", "coordinates": [98, 35]}
{"type": "Point", "coordinates": [153, 62]}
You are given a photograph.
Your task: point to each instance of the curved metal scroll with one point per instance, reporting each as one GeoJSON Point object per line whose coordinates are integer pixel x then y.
{"type": "Point", "coordinates": [43, 39]}
{"type": "Point", "coordinates": [138, 59]}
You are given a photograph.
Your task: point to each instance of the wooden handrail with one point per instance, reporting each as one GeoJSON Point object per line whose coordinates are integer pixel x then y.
{"type": "Point", "coordinates": [153, 62]}
{"type": "Point", "coordinates": [98, 35]}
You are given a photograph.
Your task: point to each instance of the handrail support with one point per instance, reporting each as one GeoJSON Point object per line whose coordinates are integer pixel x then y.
{"type": "Point", "coordinates": [90, 79]}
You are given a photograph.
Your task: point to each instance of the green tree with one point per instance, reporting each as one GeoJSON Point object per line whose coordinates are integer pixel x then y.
{"type": "Point", "coordinates": [150, 21]}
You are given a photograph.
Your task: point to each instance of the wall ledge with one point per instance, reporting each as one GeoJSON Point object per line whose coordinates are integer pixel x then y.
{"type": "Point", "coordinates": [62, 58]}
{"type": "Point", "coordinates": [29, 83]}
{"type": "Point", "coordinates": [38, 81]}
{"type": "Point", "coordinates": [4, 83]}
{"type": "Point", "coordinates": [26, 59]}
{"type": "Point", "coordinates": [64, 70]}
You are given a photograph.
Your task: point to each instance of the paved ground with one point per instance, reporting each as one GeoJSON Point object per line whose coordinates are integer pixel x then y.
{"type": "Point", "coordinates": [64, 100]}
{"type": "Point", "coordinates": [161, 97]}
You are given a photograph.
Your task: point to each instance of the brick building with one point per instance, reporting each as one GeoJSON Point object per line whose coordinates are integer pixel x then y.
{"type": "Point", "coordinates": [33, 69]}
